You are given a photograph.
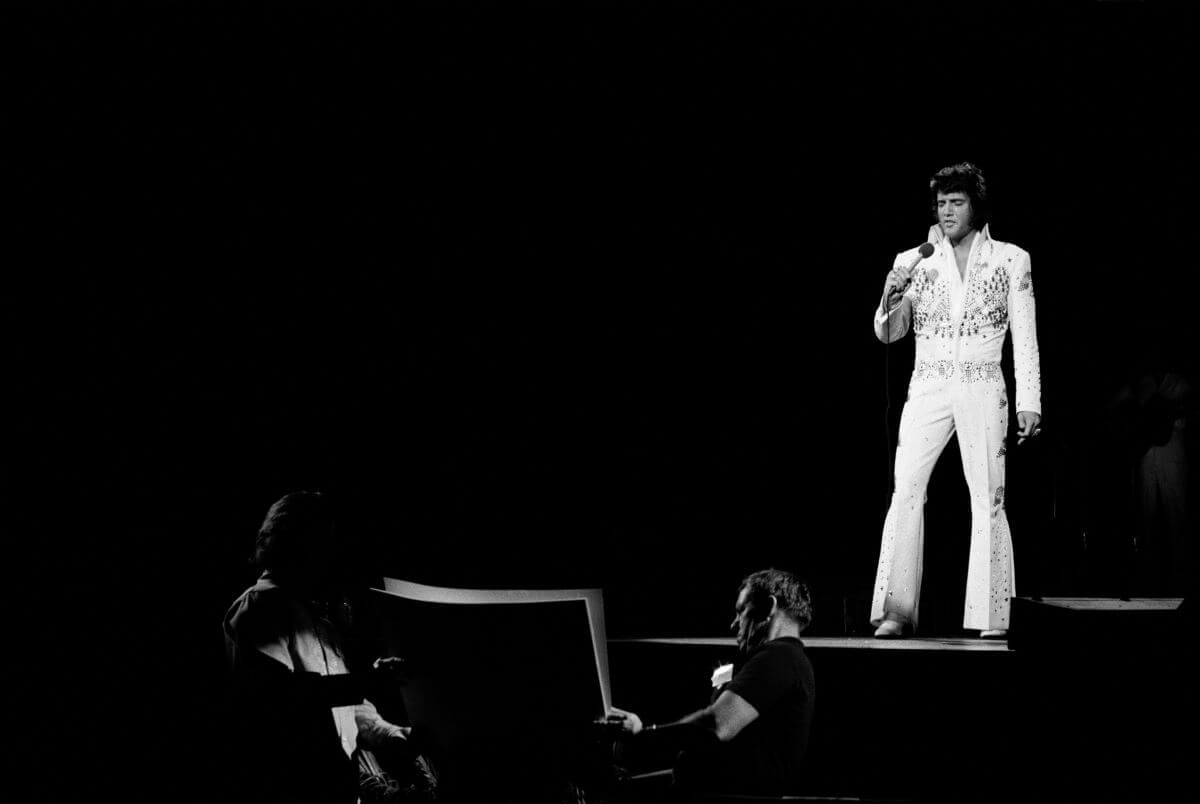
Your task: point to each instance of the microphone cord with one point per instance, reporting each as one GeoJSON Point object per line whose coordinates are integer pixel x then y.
{"type": "Point", "coordinates": [925, 252]}
{"type": "Point", "coordinates": [887, 402]}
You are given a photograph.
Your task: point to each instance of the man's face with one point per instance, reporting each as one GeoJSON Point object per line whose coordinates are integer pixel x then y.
{"type": "Point", "coordinates": [954, 214]}
{"type": "Point", "coordinates": [324, 566]}
{"type": "Point", "coordinates": [749, 630]}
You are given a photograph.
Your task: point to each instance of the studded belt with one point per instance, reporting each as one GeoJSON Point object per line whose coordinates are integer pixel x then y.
{"type": "Point", "coordinates": [966, 370]}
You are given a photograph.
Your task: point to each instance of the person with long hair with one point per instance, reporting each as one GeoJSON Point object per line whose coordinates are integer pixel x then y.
{"type": "Point", "coordinates": [307, 731]}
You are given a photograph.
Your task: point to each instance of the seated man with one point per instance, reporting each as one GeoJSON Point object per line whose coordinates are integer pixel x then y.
{"type": "Point", "coordinates": [305, 729]}
{"type": "Point", "coordinates": [753, 737]}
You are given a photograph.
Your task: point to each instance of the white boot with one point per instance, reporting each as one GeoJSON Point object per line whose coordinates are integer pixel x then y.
{"type": "Point", "coordinates": [892, 629]}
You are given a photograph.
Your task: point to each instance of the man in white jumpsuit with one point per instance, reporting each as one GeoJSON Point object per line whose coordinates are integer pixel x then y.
{"type": "Point", "coordinates": [959, 301]}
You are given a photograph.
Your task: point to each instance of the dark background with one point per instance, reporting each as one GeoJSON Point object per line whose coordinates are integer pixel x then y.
{"type": "Point", "coordinates": [551, 295]}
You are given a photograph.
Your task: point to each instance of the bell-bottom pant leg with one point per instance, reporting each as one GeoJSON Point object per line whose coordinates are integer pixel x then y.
{"type": "Point", "coordinates": [926, 425]}
{"type": "Point", "coordinates": [981, 418]}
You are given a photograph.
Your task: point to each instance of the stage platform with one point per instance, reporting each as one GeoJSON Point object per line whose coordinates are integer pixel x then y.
{"type": "Point", "coordinates": [1057, 624]}
{"type": "Point", "coordinates": [838, 643]}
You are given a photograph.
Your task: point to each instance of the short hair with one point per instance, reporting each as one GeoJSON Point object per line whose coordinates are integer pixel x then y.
{"type": "Point", "coordinates": [791, 593]}
{"type": "Point", "coordinates": [294, 522]}
{"type": "Point", "coordinates": [965, 178]}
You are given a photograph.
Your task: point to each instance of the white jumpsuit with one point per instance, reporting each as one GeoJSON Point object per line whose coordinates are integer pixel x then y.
{"type": "Point", "coordinates": [957, 384]}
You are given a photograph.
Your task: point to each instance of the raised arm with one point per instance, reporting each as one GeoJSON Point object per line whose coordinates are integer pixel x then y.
{"type": "Point", "coordinates": [893, 314]}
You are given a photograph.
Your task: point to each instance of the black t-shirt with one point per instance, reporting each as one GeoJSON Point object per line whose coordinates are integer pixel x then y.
{"type": "Point", "coordinates": [766, 756]}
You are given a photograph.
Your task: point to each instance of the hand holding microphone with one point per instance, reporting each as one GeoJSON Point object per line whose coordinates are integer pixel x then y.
{"type": "Point", "coordinates": [899, 278]}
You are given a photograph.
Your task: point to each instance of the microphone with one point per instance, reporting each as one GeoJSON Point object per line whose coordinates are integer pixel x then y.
{"type": "Point", "coordinates": [923, 253]}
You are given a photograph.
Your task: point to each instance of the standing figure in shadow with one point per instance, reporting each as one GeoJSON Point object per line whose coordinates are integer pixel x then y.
{"type": "Point", "coordinates": [304, 729]}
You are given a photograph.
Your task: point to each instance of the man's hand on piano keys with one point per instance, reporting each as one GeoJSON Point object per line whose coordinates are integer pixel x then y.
{"type": "Point", "coordinates": [391, 667]}
{"type": "Point", "coordinates": [621, 722]}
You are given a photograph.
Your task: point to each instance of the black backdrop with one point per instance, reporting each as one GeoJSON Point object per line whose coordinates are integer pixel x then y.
{"type": "Point", "coordinates": [551, 294]}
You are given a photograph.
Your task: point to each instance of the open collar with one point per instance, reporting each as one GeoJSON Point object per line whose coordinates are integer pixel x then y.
{"type": "Point", "coordinates": [945, 251]}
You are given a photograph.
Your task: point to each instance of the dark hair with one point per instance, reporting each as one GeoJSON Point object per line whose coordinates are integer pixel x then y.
{"type": "Point", "coordinates": [963, 178]}
{"type": "Point", "coordinates": [791, 593]}
{"type": "Point", "coordinates": [293, 523]}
